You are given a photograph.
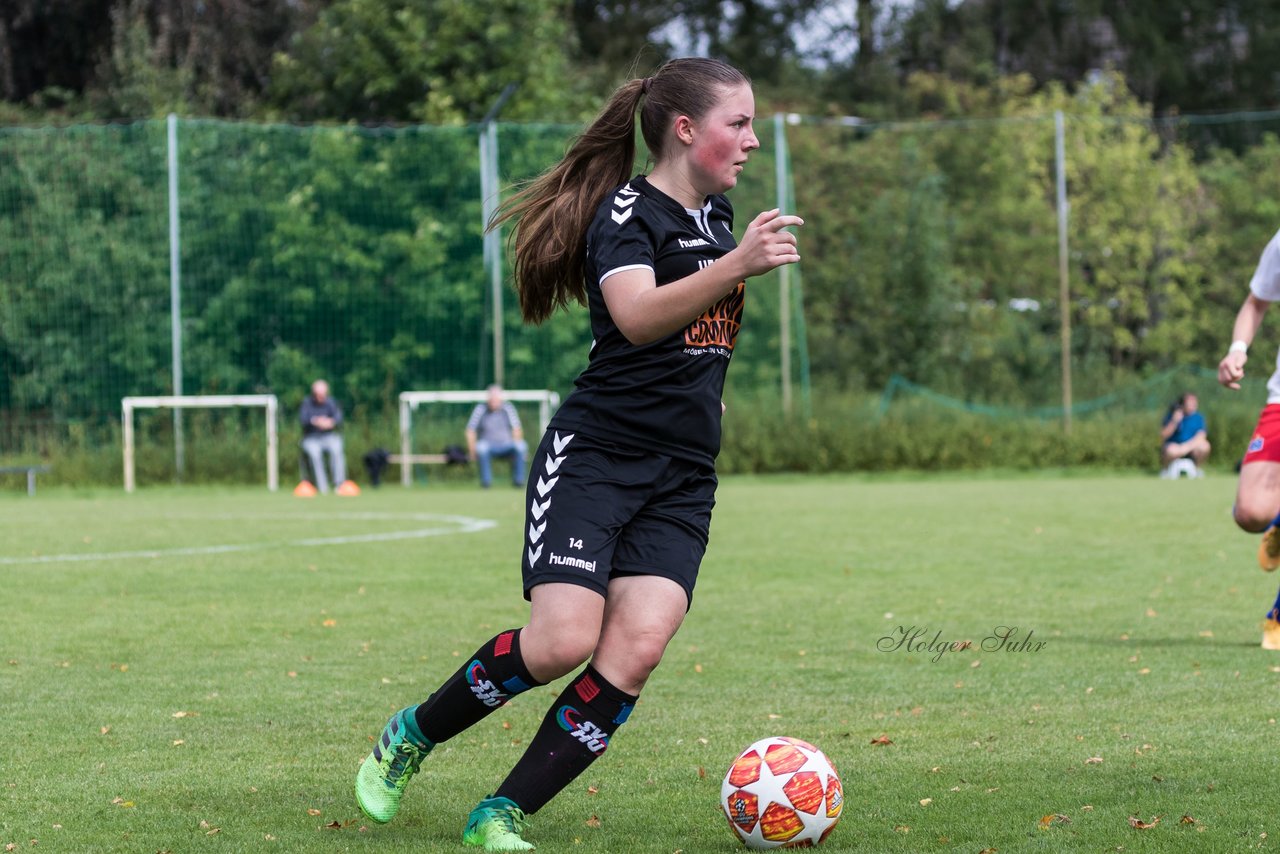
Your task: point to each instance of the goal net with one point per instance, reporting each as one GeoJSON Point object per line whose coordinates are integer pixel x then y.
{"type": "Point", "coordinates": [410, 401]}
{"type": "Point", "coordinates": [203, 401]}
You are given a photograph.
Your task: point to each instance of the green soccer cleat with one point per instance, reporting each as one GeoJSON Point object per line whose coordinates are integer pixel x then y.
{"type": "Point", "coordinates": [495, 825]}
{"type": "Point", "coordinates": [389, 768]}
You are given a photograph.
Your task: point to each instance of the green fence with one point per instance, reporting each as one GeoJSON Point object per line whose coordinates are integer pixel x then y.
{"type": "Point", "coordinates": [930, 253]}
{"type": "Point", "coordinates": [350, 253]}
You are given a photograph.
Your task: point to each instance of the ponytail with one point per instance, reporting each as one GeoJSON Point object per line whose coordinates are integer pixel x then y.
{"type": "Point", "coordinates": [555, 210]}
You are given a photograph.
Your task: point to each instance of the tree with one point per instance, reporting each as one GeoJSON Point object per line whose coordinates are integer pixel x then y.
{"type": "Point", "coordinates": [433, 61]}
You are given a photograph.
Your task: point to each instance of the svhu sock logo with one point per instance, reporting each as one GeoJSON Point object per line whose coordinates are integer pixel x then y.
{"type": "Point", "coordinates": [485, 691]}
{"type": "Point", "coordinates": [584, 731]}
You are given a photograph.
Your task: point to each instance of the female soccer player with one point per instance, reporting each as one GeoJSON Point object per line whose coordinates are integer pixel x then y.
{"type": "Point", "coordinates": [620, 494]}
{"type": "Point", "coordinates": [1258, 492]}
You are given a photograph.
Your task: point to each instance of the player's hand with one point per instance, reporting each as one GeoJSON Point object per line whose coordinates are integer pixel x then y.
{"type": "Point", "coordinates": [1231, 369]}
{"type": "Point", "coordinates": [765, 245]}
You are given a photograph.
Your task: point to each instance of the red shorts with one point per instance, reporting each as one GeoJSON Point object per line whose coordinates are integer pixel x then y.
{"type": "Point", "coordinates": [1264, 447]}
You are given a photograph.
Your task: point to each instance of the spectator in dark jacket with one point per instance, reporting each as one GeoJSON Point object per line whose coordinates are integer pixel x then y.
{"type": "Point", "coordinates": [321, 416]}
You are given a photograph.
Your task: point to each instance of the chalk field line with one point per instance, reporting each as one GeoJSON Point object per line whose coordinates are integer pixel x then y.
{"type": "Point", "coordinates": [443, 525]}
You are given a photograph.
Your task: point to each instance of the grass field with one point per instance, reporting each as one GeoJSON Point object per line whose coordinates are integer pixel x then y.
{"type": "Point", "coordinates": [178, 673]}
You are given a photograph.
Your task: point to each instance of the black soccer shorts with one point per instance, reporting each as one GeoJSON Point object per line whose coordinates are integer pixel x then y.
{"type": "Point", "coordinates": [595, 511]}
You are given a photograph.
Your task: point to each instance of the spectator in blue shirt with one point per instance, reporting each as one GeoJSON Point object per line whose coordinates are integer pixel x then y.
{"type": "Point", "coordinates": [1184, 433]}
{"type": "Point", "coordinates": [494, 430]}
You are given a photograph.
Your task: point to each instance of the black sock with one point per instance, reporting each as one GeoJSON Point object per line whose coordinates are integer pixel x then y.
{"type": "Point", "coordinates": [575, 731]}
{"type": "Point", "coordinates": [495, 674]}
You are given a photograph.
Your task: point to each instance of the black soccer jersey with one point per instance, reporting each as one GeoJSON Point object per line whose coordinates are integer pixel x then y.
{"type": "Point", "coordinates": [663, 396]}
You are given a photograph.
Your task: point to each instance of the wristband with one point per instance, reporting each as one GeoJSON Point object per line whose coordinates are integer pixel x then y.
{"type": "Point", "coordinates": [1238, 347]}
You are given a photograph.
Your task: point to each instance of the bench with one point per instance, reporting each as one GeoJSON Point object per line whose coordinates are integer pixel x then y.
{"type": "Point", "coordinates": [29, 471]}
{"type": "Point", "coordinates": [418, 459]}
{"type": "Point", "coordinates": [407, 461]}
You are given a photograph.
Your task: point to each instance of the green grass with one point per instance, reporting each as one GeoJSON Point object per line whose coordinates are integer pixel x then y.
{"type": "Point", "coordinates": [287, 660]}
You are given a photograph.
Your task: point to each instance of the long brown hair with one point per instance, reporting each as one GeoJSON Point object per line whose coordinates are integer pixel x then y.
{"type": "Point", "coordinates": [553, 212]}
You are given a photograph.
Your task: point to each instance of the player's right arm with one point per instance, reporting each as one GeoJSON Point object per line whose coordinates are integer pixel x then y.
{"type": "Point", "coordinates": [644, 312]}
{"type": "Point", "coordinates": [1248, 319]}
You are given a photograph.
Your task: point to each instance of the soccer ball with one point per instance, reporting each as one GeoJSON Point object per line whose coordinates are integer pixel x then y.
{"type": "Point", "coordinates": [781, 793]}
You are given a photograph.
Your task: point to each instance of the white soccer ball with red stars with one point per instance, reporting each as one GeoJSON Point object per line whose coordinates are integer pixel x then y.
{"type": "Point", "coordinates": [781, 793]}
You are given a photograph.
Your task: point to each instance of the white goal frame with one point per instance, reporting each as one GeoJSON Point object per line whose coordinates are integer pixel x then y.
{"type": "Point", "coordinates": [410, 400]}
{"type": "Point", "coordinates": [203, 401]}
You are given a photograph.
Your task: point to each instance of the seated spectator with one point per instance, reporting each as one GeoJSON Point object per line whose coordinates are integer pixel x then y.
{"type": "Point", "coordinates": [1184, 436]}
{"type": "Point", "coordinates": [494, 430]}
{"type": "Point", "coordinates": [321, 416]}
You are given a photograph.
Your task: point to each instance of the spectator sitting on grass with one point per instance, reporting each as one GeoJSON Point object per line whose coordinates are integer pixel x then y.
{"type": "Point", "coordinates": [1184, 433]}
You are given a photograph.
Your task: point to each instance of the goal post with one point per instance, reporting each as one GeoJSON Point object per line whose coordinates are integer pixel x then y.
{"type": "Point", "coordinates": [203, 401]}
{"type": "Point", "coordinates": [410, 400]}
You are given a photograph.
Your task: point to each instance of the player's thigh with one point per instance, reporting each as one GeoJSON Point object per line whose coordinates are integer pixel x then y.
{"type": "Point", "coordinates": [641, 616]}
{"type": "Point", "coordinates": [1258, 495]}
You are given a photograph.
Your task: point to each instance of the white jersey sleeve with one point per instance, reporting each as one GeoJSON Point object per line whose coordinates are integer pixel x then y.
{"type": "Point", "coordinates": [1265, 285]}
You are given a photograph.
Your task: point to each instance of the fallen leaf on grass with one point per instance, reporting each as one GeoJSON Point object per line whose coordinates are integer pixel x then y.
{"type": "Point", "coordinates": [121, 802]}
{"type": "Point", "coordinates": [1186, 819]}
{"type": "Point", "coordinates": [339, 825]}
{"type": "Point", "coordinates": [702, 773]}
{"type": "Point", "coordinates": [104, 730]}
{"type": "Point", "coordinates": [178, 742]}
{"type": "Point", "coordinates": [1053, 818]}
{"type": "Point", "coordinates": [186, 714]}
{"type": "Point", "coordinates": [883, 739]}
{"type": "Point", "coordinates": [329, 623]}
{"type": "Point", "coordinates": [988, 851]}
{"type": "Point", "coordinates": [313, 812]}
{"type": "Point", "coordinates": [1093, 760]}
{"type": "Point", "coordinates": [594, 821]}
{"type": "Point", "coordinates": [593, 790]}
{"type": "Point", "coordinates": [924, 802]}
{"type": "Point", "coordinates": [901, 828]}
{"type": "Point", "coordinates": [1138, 824]}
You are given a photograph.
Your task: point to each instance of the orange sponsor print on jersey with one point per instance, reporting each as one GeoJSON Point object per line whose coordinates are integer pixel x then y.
{"type": "Point", "coordinates": [718, 326]}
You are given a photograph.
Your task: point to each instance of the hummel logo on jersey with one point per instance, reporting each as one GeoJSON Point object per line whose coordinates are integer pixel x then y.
{"type": "Point", "coordinates": [534, 555]}
{"type": "Point", "coordinates": [586, 732]}
{"type": "Point", "coordinates": [559, 442]}
{"type": "Point", "coordinates": [575, 562]}
{"type": "Point", "coordinates": [689, 244]}
{"type": "Point", "coordinates": [622, 205]}
{"type": "Point", "coordinates": [485, 691]}
{"type": "Point", "coordinates": [544, 486]}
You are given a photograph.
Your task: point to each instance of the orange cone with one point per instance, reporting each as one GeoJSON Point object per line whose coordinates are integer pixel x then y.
{"type": "Point", "coordinates": [304, 490]}
{"type": "Point", "coordinates": [348, 489]}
